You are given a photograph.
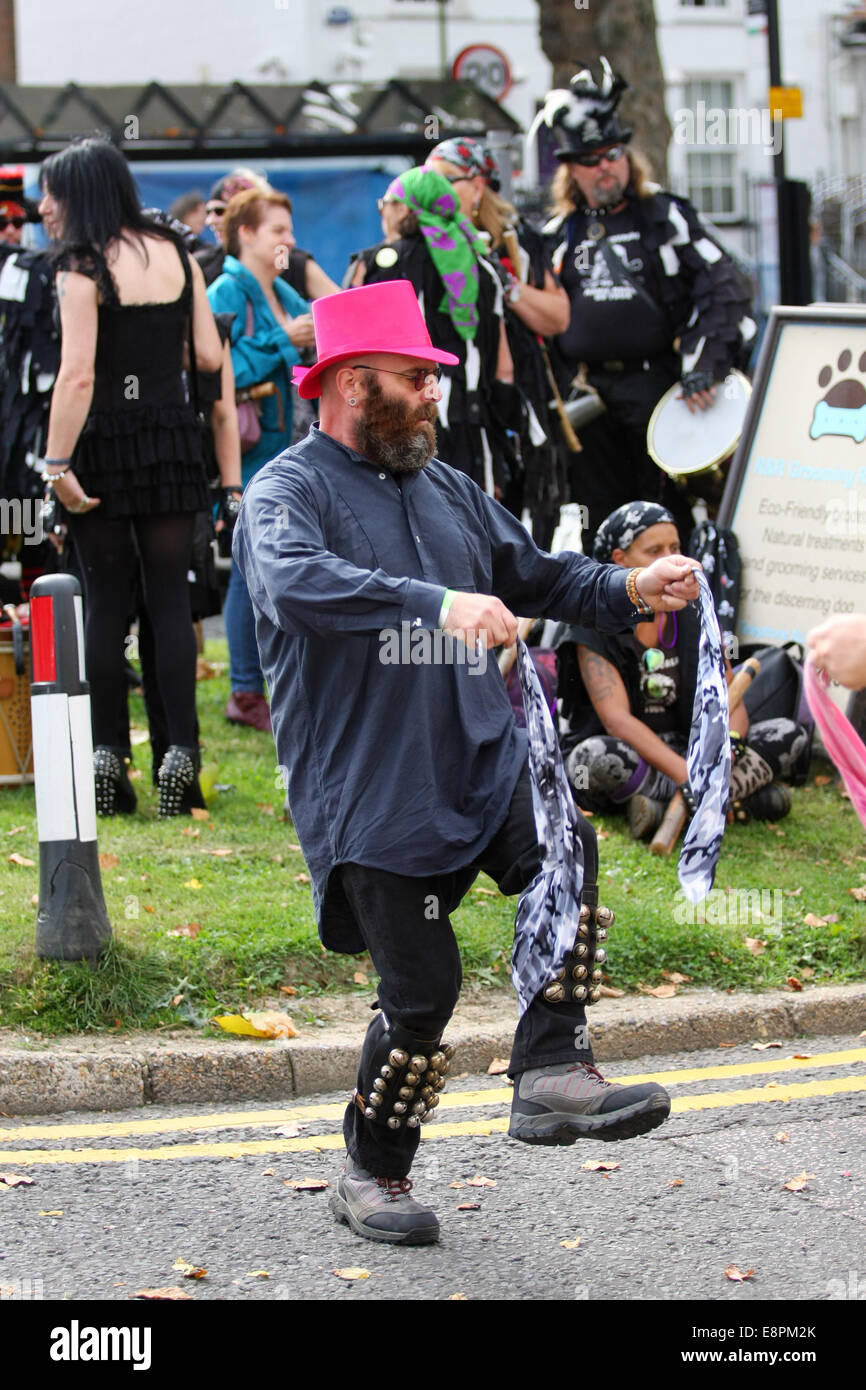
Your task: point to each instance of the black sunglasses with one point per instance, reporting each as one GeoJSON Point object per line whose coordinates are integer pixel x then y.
{"type": "Point", "coordinates": [591, 161]}
{"type": "Point", "coordinates": [419, 379]}
{"type": "Point", "coordinates": [18, 222]}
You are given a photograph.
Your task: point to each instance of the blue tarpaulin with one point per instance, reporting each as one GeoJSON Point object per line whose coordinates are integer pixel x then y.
{"type": "Point", "coordinates": [334, 201]}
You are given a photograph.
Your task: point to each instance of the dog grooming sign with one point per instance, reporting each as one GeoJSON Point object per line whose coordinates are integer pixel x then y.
{"type": "Point", "coordinates": [796, 492]}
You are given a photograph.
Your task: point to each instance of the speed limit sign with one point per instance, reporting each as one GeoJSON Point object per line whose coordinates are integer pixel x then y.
{"type": "Point", "coordinates": [487, 67]}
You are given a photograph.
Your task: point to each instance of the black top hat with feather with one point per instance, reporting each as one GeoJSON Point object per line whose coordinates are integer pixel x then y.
{"type": "Point", "coordinates": [583, 117]}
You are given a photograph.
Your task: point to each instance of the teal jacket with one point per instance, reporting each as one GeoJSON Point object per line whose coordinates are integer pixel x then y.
{"type": "Point", "coordinates": [267, 355]}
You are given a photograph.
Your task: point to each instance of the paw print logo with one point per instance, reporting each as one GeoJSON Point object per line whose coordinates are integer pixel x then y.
{"type": "Point", "coordinates": [843, 410]}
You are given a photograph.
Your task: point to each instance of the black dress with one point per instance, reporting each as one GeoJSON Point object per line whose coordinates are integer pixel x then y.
{"type": "Point", "coordinates": [142, 449]}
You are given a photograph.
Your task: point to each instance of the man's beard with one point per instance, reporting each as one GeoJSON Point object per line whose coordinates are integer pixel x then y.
{"type": "Point", "coordinates": [392, 434]}
{"type": "Point", "coordinates": [609, 195]}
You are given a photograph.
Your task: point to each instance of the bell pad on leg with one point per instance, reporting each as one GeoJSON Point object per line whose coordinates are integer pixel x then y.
{"type": "Point", "coordinates": [401, 1075]}
{"type": "Point", "coordinates": [579, 980]}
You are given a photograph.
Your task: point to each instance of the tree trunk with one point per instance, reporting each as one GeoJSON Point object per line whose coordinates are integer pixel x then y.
{"type": "Point", "coordinates": [8, 68]}
{"type": "Point", "coordinates": [624, 31]}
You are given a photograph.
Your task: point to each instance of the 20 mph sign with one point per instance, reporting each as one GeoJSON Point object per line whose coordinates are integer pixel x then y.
{"type": "Point", "coordinates": [487, 67]}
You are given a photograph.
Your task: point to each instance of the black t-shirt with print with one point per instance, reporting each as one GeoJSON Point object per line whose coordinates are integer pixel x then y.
{"type": "Point", "coordinates": [610, 320]}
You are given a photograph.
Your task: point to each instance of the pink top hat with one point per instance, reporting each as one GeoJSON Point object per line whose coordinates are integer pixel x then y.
{"type": "Point", "coordinates": [373, 318]}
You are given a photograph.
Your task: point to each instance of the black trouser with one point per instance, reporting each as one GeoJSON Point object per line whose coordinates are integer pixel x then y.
{"type": "Point", "coordinates": [109, 560]}
{"type": "Point", "coordinates": [406, 928]}
{"type": "Point", "coordinates": [614, 466]}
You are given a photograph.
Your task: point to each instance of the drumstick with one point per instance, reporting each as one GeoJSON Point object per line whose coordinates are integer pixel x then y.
{"type": "Point", "coordinates": [508, 655]}
{"type": "Point", "coordinates": [675, 816]}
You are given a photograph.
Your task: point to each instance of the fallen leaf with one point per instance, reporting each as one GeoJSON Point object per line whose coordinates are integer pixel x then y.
{"type": "Point", "coordinates": [17, 830]}
{"type": "Point", "coordinates": [469, 1206]}
{"type": "Point", "coordinates": [265, 807]}
{"type": "Point", "coordinates": [191, 830]}
{"type": "Point", "coordinates": [222, 853]}
{"type": "Point", "coordinates": [498, 1066]}
{"type": "Point", "coordinates": [258, 1274]}
{"type": "Point", "coordinates": [602, 834]}
{"type": "Point", "coordinates": [821, 780]}
{"type": "Point", "coordinates": [21, 861]}
{"type": "Point", "coordinates": [807, 972]}
{"type": "Point", "coordinates": [793, 983]}
{"type": "Point", "coordinates": [660, 991]}
{"type": "Point", "coordinates": [675, 977]}
{"type": "Point", "coordinates": [15, 1180]}
{"type": "Point", "coordinates": [798, 1184]}
{"type": "Point", "coordinates": [51, 1213]}
{"type": "Point", "coordinates": [178, 998]}
{"type": "Point", "coordinates": [571, 1244]}
{"type": "Point", "coordinates": [199, 813]}
{"type": "Point", "coordinates": [754, 945]}
{"type": "Point", "coordinates": [793, 892]}
{"type": "Point", "coordinates": [738, 1276]}
{"type": "Point", "coordinates": [456, 1184]}
{"type": "Point", "coordinates": [188, 929]}
{"type": "Point", "coordinates": [269, 1173]}
{"type": "Point", "coordinates": [598, 1165]}
{"type": "Point", "coordinates": [487, 892]}
{"type": "Point", "coordinates": [352, 1272]}
{"type": "Point", "coordinates": [187, 1270]}
{"type": "Point", "coordinates": [108, 861]}
{"type": "Point", "coordinates": [726, 1044]}
{"type": "Point", "coordinates": [306, 1184]}
{"type": "Point", "coordinates": [295, 847]}
{"type": "Point", "coordinates": [610, 992]}
{"type": "Point", "coordinates": [802, 1056]}
{"type": "Point", "coordinates": [675, 1182]}
{"type": "Point", "coordinates": [148, 908]}
{"type": "Point", "coordinates": [268, 1024]}
{"type": "Point", "coordinates": [458, 1298]}
{"type": "Point", "coordinates": [301, 878]}
{"type": "Point", "coordinates": [858, 893]}
{"type": "Point", "coordinates": [192, 883]}
{"type": "Point", "coordinates": [782, 1137]}
{"type": "Point", "coordinates": [288, 989]}
{"type": "Point", "coordinates": [810, 920]}
{"type": "Point", "coordinates": [173, 1293]}
{"type": "Point", "coordinates": [762, 1047]}
{"type": "Point", "coordinates": [359, 977]}
{"type": "Point", "coordinates": [479, 1181]}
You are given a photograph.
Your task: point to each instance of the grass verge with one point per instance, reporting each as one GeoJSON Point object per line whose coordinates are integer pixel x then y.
{"type": "Point", "coordinates": [782, 908]}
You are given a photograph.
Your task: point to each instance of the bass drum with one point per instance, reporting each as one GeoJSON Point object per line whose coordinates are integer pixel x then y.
{"type": "Point", "coordinates": [692, 446]}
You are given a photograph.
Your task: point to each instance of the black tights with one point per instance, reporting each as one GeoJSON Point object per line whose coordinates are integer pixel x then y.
{"type": "Point", "coordinates": [109, 560]}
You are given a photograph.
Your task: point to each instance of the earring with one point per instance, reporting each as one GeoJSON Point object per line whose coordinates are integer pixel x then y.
{"type": "Point", "coordinates": [352, 401]}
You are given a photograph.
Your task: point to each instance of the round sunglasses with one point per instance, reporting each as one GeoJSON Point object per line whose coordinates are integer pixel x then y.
{"type": "Point", "coordinates": [419, 379]}
{"type": "Point", "coordinates": [17, 222]}
{"type": "Point", "coordinates": [591, 161]}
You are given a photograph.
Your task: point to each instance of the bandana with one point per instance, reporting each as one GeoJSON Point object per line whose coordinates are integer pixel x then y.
{"type": "Point", "coordinates": [548, 913]}
{"type": "Point", "coordinates": [452, 241]}
{"type": "Point", "coordinates": [623, 526]}
{"type": "Point", "coordinates": [708, 758]}
{"type": "Point", "coordinates": [839, 736]}
{"type": "Point", "coordinates": [470, 156]}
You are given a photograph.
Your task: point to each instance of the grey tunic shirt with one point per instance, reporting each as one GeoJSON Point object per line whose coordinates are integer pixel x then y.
{"type": "Point", "coordinates": [404, 765]}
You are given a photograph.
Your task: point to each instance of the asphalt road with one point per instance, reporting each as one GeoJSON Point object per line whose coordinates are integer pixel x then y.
{"type": "Point", "coordinates": [117, 1198]}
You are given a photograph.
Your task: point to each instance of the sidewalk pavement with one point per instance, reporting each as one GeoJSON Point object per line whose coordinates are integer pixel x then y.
{"type": "Point", "coordinates": [95, 1072]}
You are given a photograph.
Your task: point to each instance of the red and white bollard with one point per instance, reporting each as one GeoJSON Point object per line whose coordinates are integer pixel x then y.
{"type": "Point", "coordinates": [72, 921]}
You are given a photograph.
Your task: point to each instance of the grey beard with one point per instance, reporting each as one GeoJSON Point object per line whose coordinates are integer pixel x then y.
{"type": "Point", "coordinates": [609, 197]}
{"type": "Point", "coordinates": [407, 456]}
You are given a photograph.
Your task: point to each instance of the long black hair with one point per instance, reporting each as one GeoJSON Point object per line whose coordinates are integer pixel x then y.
{"type": "Point", "coordinates": [92, 182]}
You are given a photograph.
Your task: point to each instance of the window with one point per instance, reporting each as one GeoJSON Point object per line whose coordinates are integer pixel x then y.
{"type": "Point", "coordinates": [713, 128]}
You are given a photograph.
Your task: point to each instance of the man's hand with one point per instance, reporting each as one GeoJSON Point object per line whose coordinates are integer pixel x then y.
{"type": "Point", "coordinates": [301, 332]}
{"type": "Point", "coordinates": [668, 583]}
{"type": "Point", "coordinates": [699, 391]}
{"type": "Point", "coordinates": [839, 648]}
{"type": "Point", "coordinates": [481, 616]}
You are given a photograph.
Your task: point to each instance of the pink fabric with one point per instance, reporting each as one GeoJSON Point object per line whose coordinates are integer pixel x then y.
{"type": "Point", "coordinates": [839, 736]}
{"type": "Point", "coordinates": [372, 318]}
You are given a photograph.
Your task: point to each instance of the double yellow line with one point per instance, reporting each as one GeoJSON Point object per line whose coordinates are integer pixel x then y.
{"type": "Point", "coordinates": [458, 1100]}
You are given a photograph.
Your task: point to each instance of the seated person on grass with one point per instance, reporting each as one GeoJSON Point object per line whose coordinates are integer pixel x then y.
{"type": "Point", "coordinates": [629, 698]}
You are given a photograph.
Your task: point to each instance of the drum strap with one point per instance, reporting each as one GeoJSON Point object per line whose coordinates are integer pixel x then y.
{"type": "Point", "coordinates": [620, 276]}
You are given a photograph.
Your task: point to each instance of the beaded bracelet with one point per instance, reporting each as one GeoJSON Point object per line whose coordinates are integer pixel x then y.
{"type": "Point", "coordinates": [51, 478]}
{"type": "Point", "coordinates": [632, 592]}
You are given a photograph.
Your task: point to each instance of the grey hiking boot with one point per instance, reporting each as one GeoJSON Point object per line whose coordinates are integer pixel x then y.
{"type": "Point", "coordinates": [382, 1208]}
{"type": "Point", "coordinates": [572, 1100]}
{"type": "Point", "coordinates": [644, 816]}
